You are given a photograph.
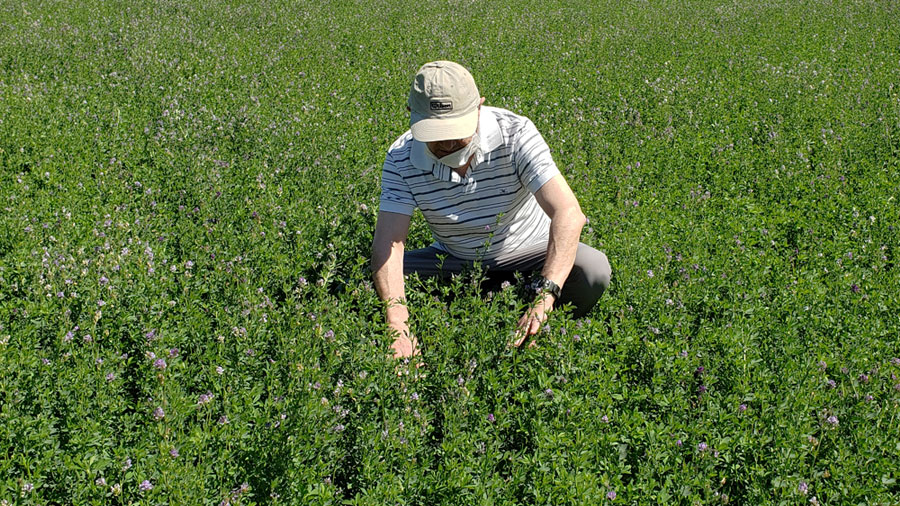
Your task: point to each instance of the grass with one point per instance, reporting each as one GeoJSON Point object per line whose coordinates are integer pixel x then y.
{"type": "Point", "coordinates": [197, 183]}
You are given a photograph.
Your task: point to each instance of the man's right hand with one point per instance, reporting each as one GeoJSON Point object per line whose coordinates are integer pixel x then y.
{"type": "Point", "coordinates": [405, 344]}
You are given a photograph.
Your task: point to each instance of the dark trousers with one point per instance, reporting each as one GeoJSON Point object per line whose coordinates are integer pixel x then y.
{"type": "Point", "coordinates": [587, 281]}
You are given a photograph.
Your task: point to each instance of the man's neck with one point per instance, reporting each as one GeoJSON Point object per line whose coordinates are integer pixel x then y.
{"type": "Point", "coordinates": [461, 171]}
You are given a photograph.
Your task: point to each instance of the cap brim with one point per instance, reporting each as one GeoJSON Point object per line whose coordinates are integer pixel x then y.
{"type": "Point", "coordinates": [443, 129]}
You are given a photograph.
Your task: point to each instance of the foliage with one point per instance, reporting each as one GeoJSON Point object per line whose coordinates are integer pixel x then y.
{"type": "Point", "coordinates": [189, 191]}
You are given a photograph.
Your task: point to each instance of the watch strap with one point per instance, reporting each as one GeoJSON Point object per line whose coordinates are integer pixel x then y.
{"type": "Point", "coordinates": [544, 285]}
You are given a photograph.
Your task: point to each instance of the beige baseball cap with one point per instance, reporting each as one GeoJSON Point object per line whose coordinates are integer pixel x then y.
{"type": "Point", "coordinates": [443, 102]}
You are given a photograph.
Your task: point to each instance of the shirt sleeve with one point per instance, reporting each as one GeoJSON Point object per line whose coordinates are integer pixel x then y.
{"type": "Point", "coordinates": [534, 164]}
{"type": "Point", "coordinates": [395, 194]}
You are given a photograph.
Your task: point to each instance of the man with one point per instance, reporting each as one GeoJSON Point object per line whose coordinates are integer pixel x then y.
{"type": "Point", "coordinates": [489, 190]}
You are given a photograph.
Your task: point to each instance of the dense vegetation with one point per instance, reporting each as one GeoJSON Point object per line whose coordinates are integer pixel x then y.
{"type": "Point", "coordinates": [189, 191]}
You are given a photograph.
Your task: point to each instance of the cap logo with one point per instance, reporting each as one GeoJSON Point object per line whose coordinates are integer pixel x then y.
{"type": "Point", "coordinates": [438, 105]}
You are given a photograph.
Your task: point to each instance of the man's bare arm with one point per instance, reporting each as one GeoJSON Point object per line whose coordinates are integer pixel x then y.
{"type": "Point", "coordinates": [566, 222]}
{"type": "Point", "coordinates": [388, 244]}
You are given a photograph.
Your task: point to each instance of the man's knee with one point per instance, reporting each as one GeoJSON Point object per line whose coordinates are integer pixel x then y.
{"type": "Point", "coordinates": [595, 267]}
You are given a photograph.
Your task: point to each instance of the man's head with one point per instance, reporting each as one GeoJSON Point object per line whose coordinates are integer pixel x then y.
{"type": "Point", "coordinates": [443, 103]}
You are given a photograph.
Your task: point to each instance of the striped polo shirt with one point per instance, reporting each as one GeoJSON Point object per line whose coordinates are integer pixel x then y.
{"type": "Point", "coordinates": [492, 209]}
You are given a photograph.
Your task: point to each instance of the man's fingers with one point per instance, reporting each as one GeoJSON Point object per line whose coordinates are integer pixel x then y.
{"type": "Point", "coordinates": [520, 336]}
{"type": "Point", "coordinates": [405, 346]}
{"type": "Point", "coordinates": [527, 328]}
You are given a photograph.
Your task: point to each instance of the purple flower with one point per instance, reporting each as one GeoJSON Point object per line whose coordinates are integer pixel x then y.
{"type": "Point", "coordinates": [100, 482]}
{"type": "Point", "coordinates": [822, 365]}
{"type": "Point", "coordinates": [702, 389]}
{"type": "Point", "coordinates": [895, 361]}
{"type": "Point", "coordinates": [174, 453]}
{"type": "Point", "coordinates": [678, 443]}
{"type": "Point", "coordinates": [831, 383]}
{"type": "Point", "coordinates": [159, 414]}
{"type": "Point", "coordinates": [127, 465]}
{"type": "Point", "coordinates": [220, 370]}
{"type": "Point", "coordinates": [146, 485]}
{"type": "Point", "coordinates": [205, 398]}
{"type": "Point", "coordinates": [863, 378]}
{"type": "Point", "coordinates": [329, 334]}
{"type": "Point", "coordinates": [742, 408]}
{"type": "Point", "coordinates": [854, 288]}
{"type": "Point", "coordinates": [803, 487]}
{"type": "Point", "coordinates": [702, 447]}
{"type": "Point", "coordinates": [414, 396]}
{"type": "Point", "coordinates": [159, 364]}
{"type": "Point", "coordinates": [104, 280]}
{"type": "Point", "coordinates": [549, 393]}
{"type": "Point", "coordinates": [611, 495]}
{"type": "Point", "coordinates": [173, 353]}
{"type": "Point", "coordinates": [649, 273]}
{"type": "Point", "coordinates": [101, 303]}
{"type": "Point", "coordinates": [833, 420]}
{"type": "Point", "coordinates": [223, 420]}
{"type": "Point", "coordinates": [28, 487]}
{"type": "Point", "coordinates": [604, 419]}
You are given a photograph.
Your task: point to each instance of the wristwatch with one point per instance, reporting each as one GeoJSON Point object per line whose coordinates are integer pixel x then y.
{"type": "Point", "coordinates": [541, 285]}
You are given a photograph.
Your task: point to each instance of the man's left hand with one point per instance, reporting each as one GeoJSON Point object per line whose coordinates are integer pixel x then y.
{"type": "Point", "coordinates": [530, 323]}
